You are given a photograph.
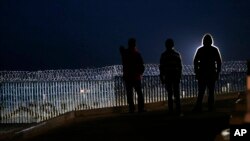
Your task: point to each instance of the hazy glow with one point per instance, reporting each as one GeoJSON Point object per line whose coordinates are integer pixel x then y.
{"type": "Point", "coordinates": [83, 91]}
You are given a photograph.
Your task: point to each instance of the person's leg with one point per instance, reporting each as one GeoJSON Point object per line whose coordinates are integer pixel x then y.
{"type": "Point", "coordinates": [176, 87]}
{"type": "Point", "coordinates": [211, 86]}
{"type": "Point", "coordinates": [201, 92]}
{"type": "Point", "coordinates": [129, 90]}
{"type": "Point", "coordinates": [170, 96]}
{"type": "Point", "coordinates": [138, 90]}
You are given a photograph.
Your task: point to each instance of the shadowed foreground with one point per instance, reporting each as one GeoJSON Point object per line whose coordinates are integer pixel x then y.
{"type": "Point", "coordinates": [146, 126]}
{"type": "Point", "coordinates": [151, 125]}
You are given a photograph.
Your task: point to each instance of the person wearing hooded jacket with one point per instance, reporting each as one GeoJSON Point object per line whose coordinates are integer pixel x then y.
{"type": "Point", "coordinates": [207, 66]}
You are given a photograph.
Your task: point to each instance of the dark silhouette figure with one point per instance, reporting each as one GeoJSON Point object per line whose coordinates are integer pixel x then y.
{"type": "Point", "coordinates": [133, 68]}
{"type": "Point", "coordinates": [207, 66]}
{"type": "Point", "coordinates": [1, 100]}
{"type": "Point", "coordinates": [170, 75]}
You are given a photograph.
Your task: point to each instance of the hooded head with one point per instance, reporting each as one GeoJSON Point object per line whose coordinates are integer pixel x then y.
{"type": "Point", "coordinates": [207, 40]}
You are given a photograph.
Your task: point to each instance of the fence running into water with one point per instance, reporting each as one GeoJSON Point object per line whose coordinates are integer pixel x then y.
{"type": "Point", "coordinates": [28, 97]}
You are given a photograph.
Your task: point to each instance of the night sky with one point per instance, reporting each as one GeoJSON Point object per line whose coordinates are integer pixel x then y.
{"type": "Point", "coordinates": [73, 34]}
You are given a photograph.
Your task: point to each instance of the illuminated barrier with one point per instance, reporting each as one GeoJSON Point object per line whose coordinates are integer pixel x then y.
{"type": "Point", "coordinates": [103, 73]}
{"type": "Point", "coordinates": [28, 102]}
{"type": "Point", "coordinates": [28, 97]}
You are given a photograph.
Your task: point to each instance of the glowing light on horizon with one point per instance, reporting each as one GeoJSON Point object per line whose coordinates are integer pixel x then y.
{"type": "Point", "coordinates": [83, 91]}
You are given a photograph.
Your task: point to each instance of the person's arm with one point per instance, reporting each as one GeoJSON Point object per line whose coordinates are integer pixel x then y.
{"type": "Point", "coordinates": [196, 63]}
{"type": "Point", "coordinates": [218, 60]}
{"type": "Point", "coordinates": [162, 78]}
{"type": "Point", "coordinates": [141, 63]}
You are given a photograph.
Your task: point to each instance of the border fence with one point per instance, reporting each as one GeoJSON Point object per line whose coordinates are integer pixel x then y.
{"type": "Point", "coordinates": [32, 97]}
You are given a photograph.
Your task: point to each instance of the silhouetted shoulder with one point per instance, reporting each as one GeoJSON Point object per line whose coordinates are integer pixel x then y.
{"type": "Point", "coordinates": [199, 48]}
{"type": "Point", "coordinates": [177, 52]}
{"type": "Point", "coordinates": [215, 48]}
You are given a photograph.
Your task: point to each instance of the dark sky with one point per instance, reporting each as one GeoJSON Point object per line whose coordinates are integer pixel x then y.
{"type": "Point", "coordinates": [71, 34]}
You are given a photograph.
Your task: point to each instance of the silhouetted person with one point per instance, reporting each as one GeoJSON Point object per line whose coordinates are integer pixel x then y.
{"type": "Point", "coordinates": [133, 68]}
{"type": "Point", "coordinates": [170, 75]}
{"type": "Point", "coordinates": [1, 100]}
{"type": "Point", "coordinates": [207, 66]}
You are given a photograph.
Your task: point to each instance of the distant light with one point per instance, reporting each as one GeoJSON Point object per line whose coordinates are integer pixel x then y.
{"type": "Point", "coordinates": [82, 91]}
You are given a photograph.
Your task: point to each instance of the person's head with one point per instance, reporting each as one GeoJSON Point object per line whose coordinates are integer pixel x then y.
{"type": "Point", "coordinates": [131, 43]}
{"type": "Point", "coordinates": [169, 43]}
{"type": "Point", "coordinates": [207, 40]}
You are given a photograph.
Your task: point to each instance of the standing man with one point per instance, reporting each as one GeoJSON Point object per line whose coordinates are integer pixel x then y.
{"type": "Point", "coordinates": [133, 68]}
{"type": "Point", "coordinates": [170, 75]}
{"type": "Point", "coordinates": [1, 101]}
{"type": "Point", "coordinates": [207, 66]}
